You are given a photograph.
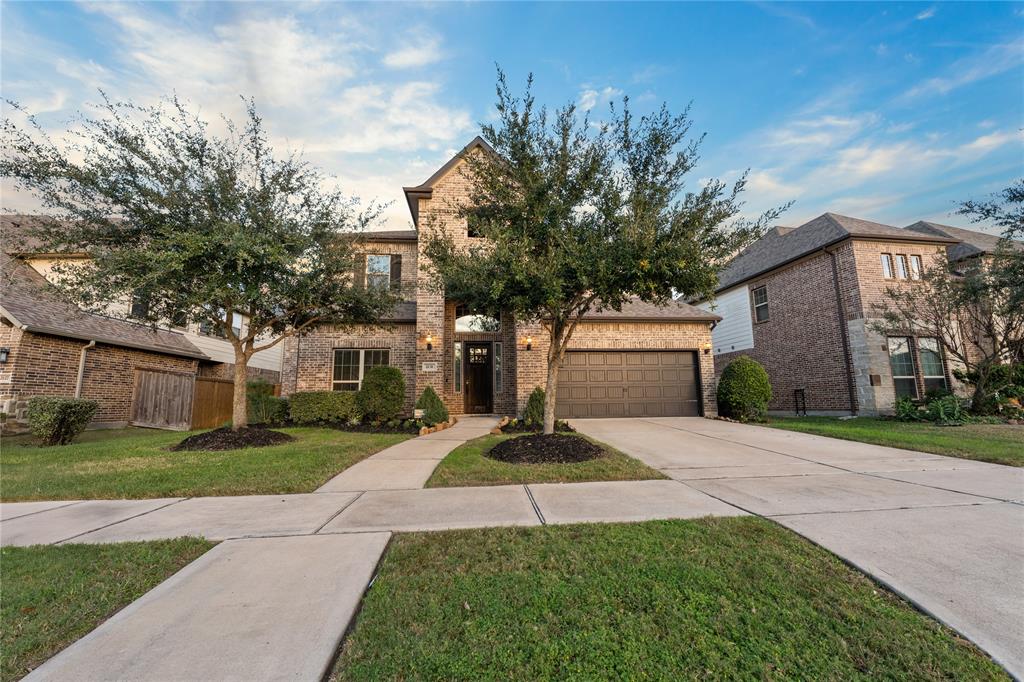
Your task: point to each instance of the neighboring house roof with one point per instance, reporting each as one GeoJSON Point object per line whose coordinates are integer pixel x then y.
{"type": "Point", "coordinates": [31, 303]}
{"type": "Point", "coordinates": [391, 236]}
{"type": "Point", "coordinates": [972, 242]}
{"type": "Point", "coordinates": [424, 190]}
{"type": "Point", "coordinates": [16, 240]}
{"type": "Point", "coordinates": [636, 310]}
{"type": "Point", "coordinates": [783, 245]}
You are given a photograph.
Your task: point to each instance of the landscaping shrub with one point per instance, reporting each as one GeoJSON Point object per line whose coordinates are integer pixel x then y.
{"type": "Point", "coordinates": [56, 421]}
{"type": "Point", "coordinates": [744, 390]}
{"type": "Point", "coordinates": [264, 406]}
{"type": "Point", "coordinates": [382, 394]}
{"type": "Point", "coordinates": [907, 409]}
{"type": "Point", "coordinates": [534, 413]}
{"type": "Point", "coordinates": [948, 409]}
{"type": "Point", "coordinates": [307, 407]}
{"type": "Point", "coordinates": [434, 411]}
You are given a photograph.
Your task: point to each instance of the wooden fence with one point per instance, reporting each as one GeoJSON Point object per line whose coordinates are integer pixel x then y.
{"type": "Point", "coordinates": [211, 406]}
{"type": "Point", "coordinates": [162, 400]}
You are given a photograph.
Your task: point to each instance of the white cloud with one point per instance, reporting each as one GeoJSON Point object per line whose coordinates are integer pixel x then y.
{"type": "Point", "coordinates": [926, 14]}
{"type": "Point", "coordinates": [993, 61]}
{"type": "Point", "coordinates": [422, 51]}
{"type": "Point", "coordinates": [590, 98]}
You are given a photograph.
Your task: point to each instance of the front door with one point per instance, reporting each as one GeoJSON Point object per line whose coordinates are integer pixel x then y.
{"type": "Point", "coordinates": [479, 375]}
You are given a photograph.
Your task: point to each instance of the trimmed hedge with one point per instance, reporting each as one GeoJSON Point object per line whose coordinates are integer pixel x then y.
{"type": "Point", "coordinates": [264, 406]}
{"type": "Point", "coordinates": [534, 413]}
{"type": "Point", "coordinates": [308, 407]}
{"type": "Point", "coordinates": [434, 411]}
{"type": "Point", "coordinates": [744, 390]}
{"type": "Point", "coordinates": [382, 394]}
{"type": "Point", "coordinates": [56, 421]}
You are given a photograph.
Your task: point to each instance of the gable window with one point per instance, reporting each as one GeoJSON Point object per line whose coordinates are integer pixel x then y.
{"type": "Point", "coordinates": [760, 295]}
{"type": "Point", "coordinates": [350, 365]}
{"type": "Point", "coordinates": [901, 267]}
{"type": "Point", "coordinates": [378, 271]}
{"type": "Point", "coordinates": [901, 360]}
{"type": "Point", "coordinates": [887, 265]}
{"type": "Point", "coordinates": [915, 267]}
{"type": "Point", "coordinates": [931, 364]}
{"type": "Point", "coordinates": [468, 321]}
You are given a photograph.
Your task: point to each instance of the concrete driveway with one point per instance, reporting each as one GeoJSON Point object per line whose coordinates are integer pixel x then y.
{"type": "Point", "coordinates": [946, 533]}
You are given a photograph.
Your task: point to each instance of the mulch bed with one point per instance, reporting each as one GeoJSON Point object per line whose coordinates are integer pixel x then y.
{"type": "Point", "coordinates": [521, 427]}
{"type": "Point", "coordinates": [545, 449]}
{"type": "Point", "coordinates": [370, 428]}
{"type": "Point", "coordinates": [226, 439]}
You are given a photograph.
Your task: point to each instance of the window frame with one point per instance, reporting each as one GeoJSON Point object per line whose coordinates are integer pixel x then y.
{"type": "Point", "coordinates": [888, 270]}
{"type": "Point", "coordinates": [763, 304]}
{"type": "Point", "coordinates": [902, 269]}
{"type": "Point", "coordinates": [913, 365]}
{"type": "Point", "coordinates": [915, 268]}
{"type": "Point", "coordinates": [921, 350]}
{"type": "Point", "coordinates": [372, 275]}
{"type": "Point", "coordinates": [362, 366]}
{"type": "Point", "coordinates": [457, 366]}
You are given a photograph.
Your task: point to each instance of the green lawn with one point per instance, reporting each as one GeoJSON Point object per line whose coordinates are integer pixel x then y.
{"type": "Point", "coordinates": [736, 598]}
{"type": "Point", "coordinates": [466, 465]}
{"type": "Point", "coordinates": [998, 443]}
{"type": "Point", "coordinates": [53, 595]}
{"type": "Point", "coordinates": [135, 463]}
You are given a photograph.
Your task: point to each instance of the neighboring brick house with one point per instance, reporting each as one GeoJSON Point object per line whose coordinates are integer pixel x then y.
{"type": "Point", "coordinates": [799, 301]}
{"type": "Point", "coordinates": [642, 361]}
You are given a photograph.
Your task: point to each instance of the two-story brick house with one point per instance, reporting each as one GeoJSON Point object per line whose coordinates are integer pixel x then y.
{"type": "Point", "coordinates": [799, 301]}
{"type": "Point", "coordinates": [644, 360]}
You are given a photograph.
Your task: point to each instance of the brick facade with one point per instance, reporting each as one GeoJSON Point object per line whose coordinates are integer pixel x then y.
{"type": "Point", "coordinates": [44, 365]}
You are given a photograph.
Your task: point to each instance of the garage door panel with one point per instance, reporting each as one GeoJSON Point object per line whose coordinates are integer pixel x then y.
{"type": "Point", "coordinates": [629, 384]}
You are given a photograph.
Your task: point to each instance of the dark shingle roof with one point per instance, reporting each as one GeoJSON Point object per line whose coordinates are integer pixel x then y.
{"type": "Point", "coordinates": [972, 242]}
{"type": "Point", "coordinates": [636, 310]}
{"type": "Point", "coordinates": [29, 301]}
{"type": "Point", "coordinates": [402, 312]}
{"type": "Point", "coordinates": [15, 237]}
{"type": "Point", "coordinates": [392, 236]}
{"type": "Point", "coordinates": [780, 246]}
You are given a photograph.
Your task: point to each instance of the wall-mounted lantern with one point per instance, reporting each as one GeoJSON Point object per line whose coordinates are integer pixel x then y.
{"type": "Point", "coordinates": [4, 353]}
{"type": "Point", "coordinates": [706, 348]}
{"type": "Point", "coordinates": [529, 343]}
{"type": "Point", "coordinates": [430, 342]}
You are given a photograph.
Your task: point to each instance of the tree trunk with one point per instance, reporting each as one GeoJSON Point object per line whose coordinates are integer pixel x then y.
{"type": "Point", "coordinates": [551, 394]}
{"type": "Point", "coordinates": [239, 404]}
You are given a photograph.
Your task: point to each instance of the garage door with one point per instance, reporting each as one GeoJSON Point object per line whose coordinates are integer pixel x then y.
{"type": "Point", "coordinates": [628, 384]}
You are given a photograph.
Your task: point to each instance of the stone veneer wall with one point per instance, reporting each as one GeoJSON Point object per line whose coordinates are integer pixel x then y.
{"type": "Point", "coordinates": [40, 364]}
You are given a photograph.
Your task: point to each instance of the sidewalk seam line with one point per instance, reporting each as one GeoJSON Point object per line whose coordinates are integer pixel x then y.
{"type": "Point", "coordinates": [135, 516]}
{"type": "Point", "coordinates": [536, 507]}
{"type": "Point", "coordinates": [71, 503]}
{"type": "Point", "coordinates": [338, 513]}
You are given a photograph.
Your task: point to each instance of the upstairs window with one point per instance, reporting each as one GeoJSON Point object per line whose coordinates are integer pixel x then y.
{"type": "Point", "coordinates": [350, 365]}
{"type": "Point", "coordinates": [932, 371]}
{"type": "Point", "coordinates": [139, 309]}
{"type": "Point", "coordinates": [901, 360]}
{"type": "Point", "coordinates": [378, 271]}
{"type": "Point", "coordinates": [901, 267]}
{"type": "Point", "coordinates": [887, 265]}
{"type": "Point", "coordinates": [760, 295]}
{"type": "Point", "coordinates": [473, 226]}
{"type": "Point", "coordinates": [915, 267]}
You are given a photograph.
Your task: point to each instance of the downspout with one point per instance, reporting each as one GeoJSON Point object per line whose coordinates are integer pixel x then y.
{"type": "Point", "coordinates": [81, 368]}
{"type": "Point", "coordinates": [845, 332]}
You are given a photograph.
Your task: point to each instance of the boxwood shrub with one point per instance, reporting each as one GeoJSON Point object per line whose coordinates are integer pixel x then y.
{"type": "Point", "coordinates": [308, 407]}
{"type": "Point", "coordinates": [534, 413]}
{"type": "Point", "coordinates": [434, 411]}
{"type": "Point", "coordinates": [744, 390]}
{"type": "Point", "coordinates": [382, 394]}
{"type": "Point", "coordinates": [56, 421]}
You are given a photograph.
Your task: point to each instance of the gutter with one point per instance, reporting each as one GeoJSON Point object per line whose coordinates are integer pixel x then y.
{"type": "Point", "coordinates": [81, 367]}
{"type": "Point", "coordinates": [844, 333]}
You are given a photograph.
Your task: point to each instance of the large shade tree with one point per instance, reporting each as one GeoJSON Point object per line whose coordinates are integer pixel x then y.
{"type": "Point", "coordinates": [581, 215]}
{"type": "Point", "coordinates": [194, 226]}
{"type": "Point", "coordinates": [974, 307]}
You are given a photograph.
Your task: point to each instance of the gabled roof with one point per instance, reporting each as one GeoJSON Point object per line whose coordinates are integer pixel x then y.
{"type": "Point", "coordinates": [783, 245]}
{"type": "Point", "coordinates": [637, 310]}
{"type": "Point", "coordinates": [424, 190]}
{"type": "Point", "coordinates": [972, 242]}
{"type": "Point", "coordinates": [31, 303]}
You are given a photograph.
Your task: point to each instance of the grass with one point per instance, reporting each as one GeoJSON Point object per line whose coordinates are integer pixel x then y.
{"type": "Point", "coordinates": [466, 465]}
{"type": "Point", "coordinates": [53, 595]}
{"type": "Point", "coordinates": [997, 443]}
{"type": "Point", "coordinates": [135, 463]}
{"type": "Point", "coordinates": [737, 598]}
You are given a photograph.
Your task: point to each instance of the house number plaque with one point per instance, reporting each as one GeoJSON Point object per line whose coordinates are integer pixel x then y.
{"type": "Point", "coordinates": [429, 366]}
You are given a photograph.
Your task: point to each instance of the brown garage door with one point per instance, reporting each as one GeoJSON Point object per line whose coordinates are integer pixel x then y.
{"type": "Point", "coordinates": [628, 384]}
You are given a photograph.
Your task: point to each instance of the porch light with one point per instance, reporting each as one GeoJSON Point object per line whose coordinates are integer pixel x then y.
{"type": "Point", "coordinates": [707, 348]}
{"type": "Point", "coordinates": [529, 343]}
{"type": "Point", "coordinates": [430, 342]}
{"type": "Point", "coordinates": [4, 352]}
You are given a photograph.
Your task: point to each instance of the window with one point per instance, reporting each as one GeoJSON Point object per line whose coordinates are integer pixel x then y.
{"type": "Point", "coordinates": [497, 367]}
{"type": "Point", "coordinates": [887, 266]}
{"type": "Point", "coordinates": [378, 271]}
{"type": "Point", "coordinates": [139, 309]}
{"type": "Point", "coordinates": [915, 267]}
{"type": "Point", "coordinates": [457, 366]}
{"type": "Point", "coordinates": [901, 361]}
{"type": "Point", "coordinates": [931, 364]}
{"type": "Point", "coordinates": [901, 267]}
{"type": "Point", "coordinates": [473, 226]}
{"type": "Point", "coordinates": [467, 321]}
{"type": "Point", "coordinates": [761, 304]}
{"type": "Point", "coordinates": [236, 324]}
{"type": "Point", "coordinates": [350, 365]}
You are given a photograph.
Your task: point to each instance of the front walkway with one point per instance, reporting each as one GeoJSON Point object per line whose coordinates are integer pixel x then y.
{"type": "Point", "coordinates": [946, 533]}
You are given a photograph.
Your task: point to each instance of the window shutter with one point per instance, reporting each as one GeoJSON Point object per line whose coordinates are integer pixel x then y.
{"type": "Point", "coordinates": [360, 273]}
{"type": "Point", "coordinates": [396, 272]}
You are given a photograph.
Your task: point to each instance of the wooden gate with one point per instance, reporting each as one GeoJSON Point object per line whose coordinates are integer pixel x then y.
{"type": "Point", "coordinates": [211, 406]}
{"type": "Point", "coordinates": [162, 400]}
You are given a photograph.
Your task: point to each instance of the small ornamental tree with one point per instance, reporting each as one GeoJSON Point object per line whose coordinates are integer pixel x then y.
{"type": "Point", "coordinates": [580, 217]}
{"type": "Point", "coordinates": [195, 227]}
{"type": "Point", "coordinates": [974, 307]}
{"type": "Point", "coordinates": [744, 390]}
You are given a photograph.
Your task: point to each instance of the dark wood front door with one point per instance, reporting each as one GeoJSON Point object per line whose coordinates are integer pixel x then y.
{"type": "Point", "coordinates": [479, 378]}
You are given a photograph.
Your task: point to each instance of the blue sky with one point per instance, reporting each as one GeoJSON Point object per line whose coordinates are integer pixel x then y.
{"type": "Point", "coordinates": [891, 112]}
